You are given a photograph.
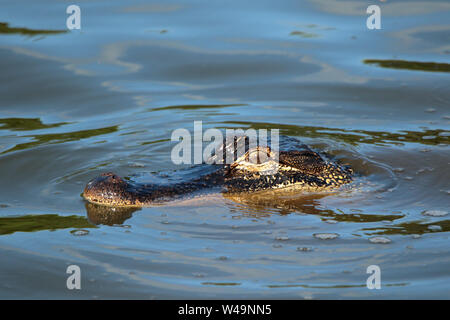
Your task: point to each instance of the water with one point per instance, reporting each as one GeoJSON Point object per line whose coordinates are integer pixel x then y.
{"type": "Point", "coordinates": [107, 98]}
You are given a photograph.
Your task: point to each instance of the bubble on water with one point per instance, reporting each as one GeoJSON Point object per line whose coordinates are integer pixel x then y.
{"type": "Point", "coordinates": [331, 221]}
{"type": "Point", "coordinates": [136, 165]}
{"type": "Point", "coordinates": [304, 249]}
{"type": "Point", "coordinates": [199, 275]}
{"type": "Point", "coordinates": [425, 169]}
{"type": "Point", "coordinates": [434, 227]}
{"type": "Point", "coordinates": [380, 240]}
{"type": "Point", "coordinates": [79, 232]}
{"type": "Point", "coordinates": [326, 236]}
{"type": "Point", "coordinates": [408, 178]}
{"type": "Point", "coordinates": [416, 236]}
{"type": "Point", "coordinates": [282, 238]}
{"type": "Point", "coordinates": [398, 170]}
{"type": "Point", "coordinates": [346, 271]}
{"type": "Point", "coordinates": [430, 110]}
{"type": "Point", "coordinates": [435, 213]}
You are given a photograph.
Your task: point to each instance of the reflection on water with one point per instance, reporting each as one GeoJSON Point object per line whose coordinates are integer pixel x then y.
{"type": "Point", "coordinates": [304, 34]}
{"type": "Point", "coordinates": [196, 107]}
{"type": "Point", "coordinates": [61, 137]}
{"type": "Point", "coordinates": [25, 124]}
{"type": "Point", "coordinates": [337, 287]}
{"type": "Point", "coordinates": [410, 65]}
{"type": "Point", "coordinates": [108, 97]}
{"type": "Point", "coordinates": [6, 29]}
{"type": "Point", "coordinates": [286, 202]}
{"type": "Point", "coordinates": [413, 227]}
{"type": "Point", "coordinates": [280, 201]}
{"type": "Point", "coordinates": [32, 223]}
{"type": "Point", "coordinates": [354, 137]}
{"type": "Point", "coordinates": [221, 284]}
{"type": "Point", "coordinates": [108, 215]}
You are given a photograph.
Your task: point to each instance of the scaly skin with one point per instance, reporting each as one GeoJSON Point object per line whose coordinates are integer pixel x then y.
{"type": "Point", "coordinates": [299, 169]}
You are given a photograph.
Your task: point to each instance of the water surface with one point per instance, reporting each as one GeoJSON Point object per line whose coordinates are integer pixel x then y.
{"type": "Point", "coordinates": [107, 97]}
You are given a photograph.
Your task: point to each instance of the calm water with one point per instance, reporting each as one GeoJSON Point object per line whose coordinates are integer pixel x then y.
{"type": "Point", "coordinates": [107, 98]}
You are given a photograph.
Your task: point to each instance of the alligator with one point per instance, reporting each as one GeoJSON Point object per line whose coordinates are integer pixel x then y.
{"type": "Point", "coordinates": [301, 169]}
